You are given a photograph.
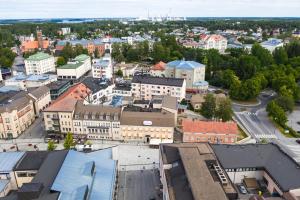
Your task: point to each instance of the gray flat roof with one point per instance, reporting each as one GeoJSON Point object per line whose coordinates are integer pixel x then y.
{"type": "Point", "coordinates": [281, 167]}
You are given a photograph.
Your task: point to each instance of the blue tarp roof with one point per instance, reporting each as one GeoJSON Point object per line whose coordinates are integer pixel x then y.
{"type": "Point", "coordinates": [75, 175]}
{"type": "Point", "coordinates": [8, 160]}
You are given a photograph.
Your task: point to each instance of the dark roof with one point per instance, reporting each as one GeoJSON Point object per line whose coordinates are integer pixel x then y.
{"type": "Point", "coordinates": [100, 112]}
{"type": "Point", "coordinates": [141, 101]}
{"type": "Point", "coordinates": [57, 84]}
{"type": "Point", "coordinates": [38, 92]}
{"type": "Point", "coordinates": [191, 176]}
{"type": "Point", "coordinates": [49, 169]}
{"type": "Point", "coordinates": [177, 82]}
{"type": "Point", "coordinates": [95, 84]}
{"type": "Point", "coordinates": [282, 168]}
{"type": "Point", "coordinates": [32, 160]}
{"type": "Point", "coordinates": [125, 87]}
{"type": "Point", "coordinates": [13, 100]}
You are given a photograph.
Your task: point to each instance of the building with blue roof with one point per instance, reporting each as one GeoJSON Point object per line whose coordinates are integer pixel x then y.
{"type": "Point", "coordinates": [8, 161]}
{"type": "Point", "coordinates": [191, 71]}
{"type": "Point", "coordinates": [272, 43]}
{"type": "Point", "coordinates": [23, 81]}
{"type": "Point", "coordinates": [86, 176]}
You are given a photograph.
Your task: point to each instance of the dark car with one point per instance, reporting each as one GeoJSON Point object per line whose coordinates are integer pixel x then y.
{"type": "Point", "coordinates": [298, 141]}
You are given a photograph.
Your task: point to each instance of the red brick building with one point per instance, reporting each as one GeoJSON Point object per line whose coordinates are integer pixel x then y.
{"type": "Point", "coordinates": [209, 131]}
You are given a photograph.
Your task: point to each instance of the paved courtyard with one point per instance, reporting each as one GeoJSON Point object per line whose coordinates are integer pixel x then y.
{"type": "Point", "coordinates": [139, 185]}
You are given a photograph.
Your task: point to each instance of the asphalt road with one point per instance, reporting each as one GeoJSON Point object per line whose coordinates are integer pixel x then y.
{"type": "Point", "coordinates": [36, 130]}
{"type": "Point", "coordinates": [19, 65]}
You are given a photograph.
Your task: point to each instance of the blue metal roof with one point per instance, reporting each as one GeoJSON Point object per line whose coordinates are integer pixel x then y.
{"type": "Point", "coordinates": [271, 42]}
{"type": "Point", "coordinates": [3, 184]}
{"type": "Point", "coordinates": [8, 160]}
{"type": "Point", "coordinates": [75, 177]}
{"type": "Point", "coordinates": [8, 88]}
{"type": "Point", "coordinates": [182, 64]}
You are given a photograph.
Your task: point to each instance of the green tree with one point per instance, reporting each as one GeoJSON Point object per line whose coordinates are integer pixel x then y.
{"type": "Point", "coordinates": [51, 146]}
{"type": "Point", "coordinates": [263, 55]}
{"type": "Point", "coordinates": [280, 56]}
{"type": "Point", "coordinates": [60, 61]}
{"type": "Point", "coordinates": [208, 107]}
{"type": "Point", "coordinates": [248, 66]}
{"type": "Point", "coordinates": [68, 141]}
{"type": "Point", "coordinates": [287, 103]}
{"type": "Point", "coordinates": [224, 110]}
{"type": "Point", "coordinates": [277, 113]}
{"type": "Point", "coordinates": [119, 73]}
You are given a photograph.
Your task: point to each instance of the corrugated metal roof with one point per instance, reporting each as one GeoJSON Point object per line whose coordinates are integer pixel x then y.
{"type": "Point", "coordinates": [75, 175]}
{"type": "Point", "coordinates": [8, 160]}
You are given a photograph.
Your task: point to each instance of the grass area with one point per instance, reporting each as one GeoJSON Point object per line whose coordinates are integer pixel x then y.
{"type": "Point", "coordinates": [242, 134]}
{"type": "Point", "coordinates": [251, 101]}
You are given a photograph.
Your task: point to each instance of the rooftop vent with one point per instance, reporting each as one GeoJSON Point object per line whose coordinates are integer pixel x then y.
{"type": "Point", "coordinates": [221, 174]}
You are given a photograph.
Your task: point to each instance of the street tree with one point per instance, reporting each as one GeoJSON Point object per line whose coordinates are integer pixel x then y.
{"type": "Point", "coordinates": [68, 141]}
{"type": "Point", "coordinates": [208, 107]}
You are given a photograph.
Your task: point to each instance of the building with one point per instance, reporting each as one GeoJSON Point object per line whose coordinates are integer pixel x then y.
{"type": "Point", "coordinates": [101, 90]}
{"type": "Point", "coordinates": [209, 131]}
{"type": "Point", "coordinates": [39, 63]}
{"type": "Point", "coordinates": [197, 99]}
{"type": "Point", "coordinates": [191, 71]}
{"type": "Point", "coordinates": [266, 163]}
{"type": "Point", "coordinates": [128, 69]}
{"type": "Point", "coordinates": [66, 31]}
{"type": "Point", "coordinates": [148, 127]}
{"type": "Point", "coordinates": [27, 167]}
{"type": "Point", "coordinates": [28, 44]}
{"type": "Point", "coordinates": [8, 182]}
{"type": "Point", "coordinates": [16, 113]}
{"type": "Point", "coordinates": [145, 87]}
{"type": "Point", "coordinates": [23, 81]}
{"type": "Point", "coordinates": [91, 45]}
{"type": "Point", "coordinates": [158, 69]}
{"type": "Point", "coordinates": [102, 68]}
{"type": "Point", "coordinates": [57, 88]}
{"type": "Point", "coordinates": [40, 97]}
{"type": "Point", "coordinates": [67, 175]}
{"type": "Point", "coordinates": [213, 42]}
{"type": "Point", "coordinates": [122, 89]}
{"type": "Point", "coordinates": [58, 117]}
{"type": "Point", "coordinates": [272, 43]}
{"type": "Point", "coordinates": [74, 69]}
{"type": "Point", "coordinates": [96, 121]}
{"type": "Point", "coordinates": [192, 172]}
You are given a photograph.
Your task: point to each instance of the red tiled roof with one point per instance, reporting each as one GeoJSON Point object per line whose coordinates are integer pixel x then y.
{"type": "Point", "coordinates": [209, 127]}
{"type": "Point", "coordinates": [161, 66]}
{"type": "Point", "coordinates": [67, 101]}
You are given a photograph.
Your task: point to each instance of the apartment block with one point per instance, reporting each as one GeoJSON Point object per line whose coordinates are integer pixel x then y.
{"type": "Point", "coordinates": [96, 121]}
{"type": "Point", "coordinates": [74, 69]}
{"type": "Point", "coordinates": [16, 113]}
{"type": "Point", "coordinates": [102, 68]}
{"type": "Point", "coordinates": [145, 87]}
{"type": "Point", "coordinates": [39, 63]}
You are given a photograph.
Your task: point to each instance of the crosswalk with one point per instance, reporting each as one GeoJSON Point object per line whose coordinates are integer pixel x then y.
{"type": "Point", "coordinates": [266, 136]}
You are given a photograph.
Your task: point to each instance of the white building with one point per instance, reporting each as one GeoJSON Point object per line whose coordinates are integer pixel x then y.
{"type": "Point", "coordinates": [272, 43]}
{"type": "Point", "coordinates": [75, 69]}
{"type": "Point", "coordinates": [23, 81]}
{"type": "Point", "coordinates": [102, 68]}
{"type": "Point", "coordinates": [213, 42]}
{"type": "Point", "coordinates": [66, 30]}
{"type": "Point", "coordinates": [39, 63]}
{"type": "Point", "coordinates": [145, 87]}
{"type": "Point", "coordinates": [192, 72]}
{"type": "Point", "coordinates": [41, 98]}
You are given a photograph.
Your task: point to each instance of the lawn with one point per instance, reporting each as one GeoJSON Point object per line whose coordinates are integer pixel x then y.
{"type": "Point", "coordinates": [242, 135]}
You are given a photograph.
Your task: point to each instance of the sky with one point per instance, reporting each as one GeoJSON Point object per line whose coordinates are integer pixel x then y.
{"type": "Point", "coordinates": [32, 9]}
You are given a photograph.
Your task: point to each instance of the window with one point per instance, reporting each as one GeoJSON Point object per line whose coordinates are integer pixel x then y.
{"type": "Point", "coordinates": [21, 174]}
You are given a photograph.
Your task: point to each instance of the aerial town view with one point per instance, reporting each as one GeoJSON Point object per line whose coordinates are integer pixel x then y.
{"type": "Point", "coordinates": [149, 100]}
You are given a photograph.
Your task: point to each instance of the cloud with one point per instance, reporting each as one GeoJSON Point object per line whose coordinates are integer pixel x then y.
{"type": "Point", "coordinates": [135, 8]}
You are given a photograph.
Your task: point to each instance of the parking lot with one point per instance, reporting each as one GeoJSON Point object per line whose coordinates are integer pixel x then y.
{"type": "Point", "coordinates": [294, 120]}
{"type": "Point", "coordinates": [139, 185]}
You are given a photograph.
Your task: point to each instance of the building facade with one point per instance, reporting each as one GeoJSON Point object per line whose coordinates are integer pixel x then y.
{"type": "Point", "coordinates": [192, 72]}
{"type": "Point", "coordinates": [74, 69]}
{"type": "Point", "coordinates": [213, 42]}
{"type": "Point", "coordinates": [145, 87]}
{"type": "Point", "coordinates": [39, 63]}
{"type": "Point", "coordinates": [102, 68]}
{"type": "Point", "coordinates": [97, 121]}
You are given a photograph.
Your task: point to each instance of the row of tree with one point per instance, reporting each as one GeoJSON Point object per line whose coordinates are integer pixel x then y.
{"type": "Point", "coordinates": [69, 52]}
{"type": "Point", "coordinates": [7, 57]}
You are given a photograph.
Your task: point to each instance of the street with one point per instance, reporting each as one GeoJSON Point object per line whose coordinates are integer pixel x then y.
{"type": "Point", "coordinates": [36, 130]}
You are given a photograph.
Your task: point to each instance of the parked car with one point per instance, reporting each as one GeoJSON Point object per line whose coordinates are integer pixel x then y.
{"type": "Point", "coordinates": [242, 189]}
{"type": "Point", "coordinates": [298, 141]}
